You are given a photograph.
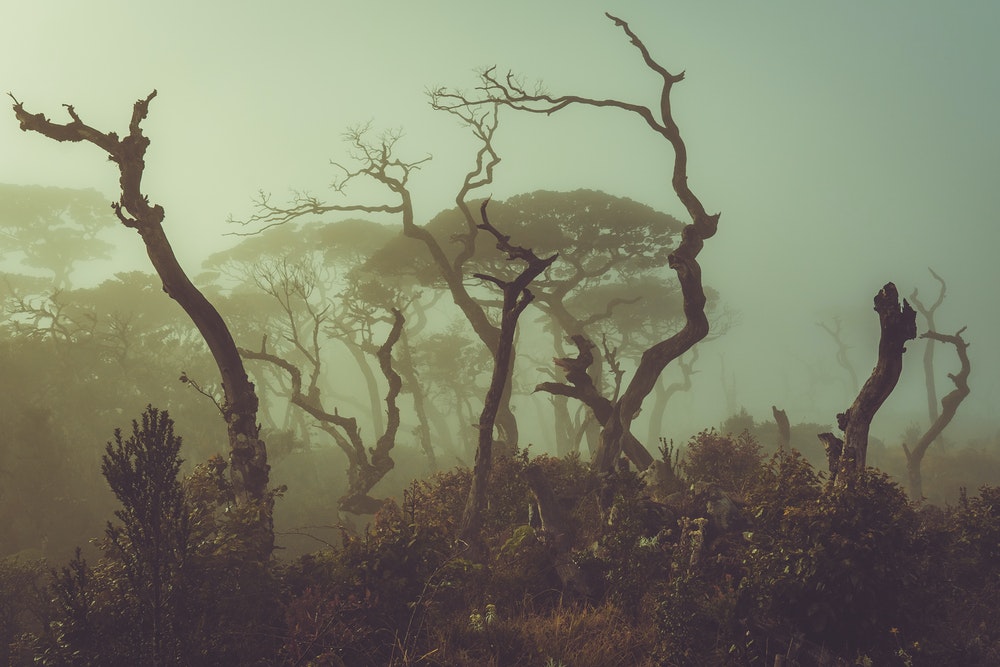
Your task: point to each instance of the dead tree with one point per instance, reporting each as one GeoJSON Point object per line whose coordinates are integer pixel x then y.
{"type": "Point", "coordinates": [363, 471]}
{"type": "Point", "coordinates": [377, 161]}
{"type": "Point", "coordinates": [928, 314]}
{"type": "Point", "coordinates": [949, 406]}
{"type": "Point", "coordinates": [898, 324]}
{"type": "Point", "coordinates": [616, 416]}
{"type": "Point", "coordinates": [516, 297]}
{"type": "Point", "coordinates": [248, 455]}
{"type": "Point", "coordinates": [784, 429]}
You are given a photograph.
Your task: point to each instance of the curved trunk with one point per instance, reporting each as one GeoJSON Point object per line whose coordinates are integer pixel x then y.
{"type": "Point", "coordinates": [248, 455]}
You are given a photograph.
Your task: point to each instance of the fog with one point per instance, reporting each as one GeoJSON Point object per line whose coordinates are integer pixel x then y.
{"type": "Point", "coordinates": [845, 146]}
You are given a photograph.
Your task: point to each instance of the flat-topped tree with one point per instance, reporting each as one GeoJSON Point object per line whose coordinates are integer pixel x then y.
{"type": "Point", "coordinates": [248, 455]}
{"type": "Point", "coordinates": [53, 228]}
{"type": "Point", "coordinates": [616, 416]}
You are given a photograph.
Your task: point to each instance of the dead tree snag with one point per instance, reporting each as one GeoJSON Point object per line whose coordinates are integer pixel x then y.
{"type": "Point", "coordinates": [248, 455]}
{"type": "Point", "coordinates": [898, 324]}
{"type": "Point", "coordinates": [949, 406]}
{"type": "Point", "coordinates": [928, 314]}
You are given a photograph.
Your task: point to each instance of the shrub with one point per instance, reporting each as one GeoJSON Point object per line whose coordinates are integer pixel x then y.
{"type": "Point", "coordinates": [833, 562]}
{"type": "Point", "coordinates": [176, 582]}
{"type": "Point", "coordinates": [731, 462]}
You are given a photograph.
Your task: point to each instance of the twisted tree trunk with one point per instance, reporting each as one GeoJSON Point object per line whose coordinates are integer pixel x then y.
{"type": "Point", "coordinates": [516, 298]}
{"type": "Point", "coordinates": [898, 325]}
{"type": "Point", "coordinates": [249, 469]}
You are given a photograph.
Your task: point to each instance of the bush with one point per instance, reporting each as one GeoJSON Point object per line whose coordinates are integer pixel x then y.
{"type": "Point", "coordinates": [731, 462]}
{"type": "Point", "coordinates": [174, 583]}
{"type": "Point", "coordinates": [832, 562]}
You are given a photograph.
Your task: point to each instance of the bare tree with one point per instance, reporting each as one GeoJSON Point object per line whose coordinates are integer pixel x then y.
{"type": "Point", "coordinates": [662, 395]}
{"type": "Point", "coordinates": [294, 285]}
{"type": "Point", "coordinates": [928, 314]}
{"type": "Point", "coordinates": [949, 406]}
{"type": "Point", "coordinates": [378, 161]}
{"type": "Point", "coordinates": [898, 324]}
{"type": "Point", "coordinates": [616, 416]}
{"type": "Point", "coordinates": [248, 455]}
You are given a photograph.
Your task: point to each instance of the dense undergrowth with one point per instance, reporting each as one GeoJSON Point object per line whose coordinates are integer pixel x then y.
{"type": "Point", "coordinates": [725, 557]}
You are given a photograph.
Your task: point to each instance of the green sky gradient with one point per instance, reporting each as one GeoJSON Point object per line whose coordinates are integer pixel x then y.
{"type": "Point", "coordinates": [845, 143]}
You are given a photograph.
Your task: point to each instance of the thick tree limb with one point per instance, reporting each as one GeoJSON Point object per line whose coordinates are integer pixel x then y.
{"type": "Point", "coordinates": [581, 385]}
{"type": "Point", "coordinates": [898, 325]}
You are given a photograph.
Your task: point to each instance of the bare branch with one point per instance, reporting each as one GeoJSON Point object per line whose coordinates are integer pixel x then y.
{"type": "Point", "coordinates": [949, 407]}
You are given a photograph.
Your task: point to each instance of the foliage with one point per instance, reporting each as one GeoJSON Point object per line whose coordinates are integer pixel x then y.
{"type": "Point", "coordinates": [835, 560]}
{"type": "Point", "coordinates": [177, 582]}
{"type": "Point", "coordinates": [731, 462]}
{"type": "Point", "coordinates": [24, 606]}
{"type": "Point", "coordinates": [54, 228]}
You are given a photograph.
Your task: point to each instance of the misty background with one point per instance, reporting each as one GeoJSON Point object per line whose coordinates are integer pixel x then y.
{"type": "Point", "coordinates": [846, 145]}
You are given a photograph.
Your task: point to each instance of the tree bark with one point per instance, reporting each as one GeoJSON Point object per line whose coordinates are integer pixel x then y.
{"type": "Point", "coordinates": [949, 406]}
{"type": "Point", "coordinates": [249, 469]}
{"type": "Point", "coordinates": [898, 325]}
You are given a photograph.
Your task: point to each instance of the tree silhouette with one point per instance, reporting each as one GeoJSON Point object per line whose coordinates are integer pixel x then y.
{"type": "Point", "coordinates": [949, 406]}
{"type": "Point", "coordinates": [616, 417]}
{"type": "Point", "coordinates": [54, 229]}
{"type": "Point", "coordinates": [248, 453]}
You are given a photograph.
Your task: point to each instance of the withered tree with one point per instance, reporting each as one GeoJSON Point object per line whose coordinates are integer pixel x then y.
{"type": "Point", "coordinates": [928, 314]}
{"type": "Point", "coordinates": [897, 324]}
{"type": "Point", "coordinates": [949, 406]}
{"type": "Point", "coordinates": [294, 285]}
{"type": "Point", "coordinates": [248, 455]}
{"type": "Point", "coordinates": [377, 160]}
{"type": "Point", "coordinates": [616, 416]}
{"type": "Point", "coordinates": [516, 297]}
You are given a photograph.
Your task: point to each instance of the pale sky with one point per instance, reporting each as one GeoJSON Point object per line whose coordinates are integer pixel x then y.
{"type": "Point", "coordinates": [845, 143]}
